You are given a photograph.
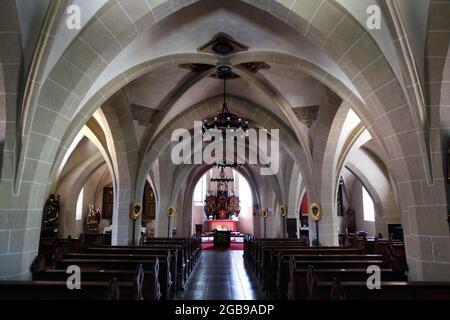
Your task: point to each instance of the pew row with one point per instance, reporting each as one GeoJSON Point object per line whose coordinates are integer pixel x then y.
{"type": "Point", "coordinates": [390, 290]}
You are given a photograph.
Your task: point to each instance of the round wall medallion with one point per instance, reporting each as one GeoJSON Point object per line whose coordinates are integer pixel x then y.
{"type": "Point", "coordinates": [135, 211]}
{"type": "Point", "coordinates": [316, 211]}
{"type": "Point", "coordinates": [170, 211]}
{"type": "Point", "coordinates": [283, 210]}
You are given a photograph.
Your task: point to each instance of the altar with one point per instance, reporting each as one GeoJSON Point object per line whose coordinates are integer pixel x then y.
{"type": "Point", "coordinates": [222, 239]}
{"type": "Point", "coordinates": [230, 225]}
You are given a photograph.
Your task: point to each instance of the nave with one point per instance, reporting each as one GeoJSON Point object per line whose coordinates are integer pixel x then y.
{"type": "Point", "coordinates": [222, 275]}
{"type": "Point", "coordinates": [132, 143]}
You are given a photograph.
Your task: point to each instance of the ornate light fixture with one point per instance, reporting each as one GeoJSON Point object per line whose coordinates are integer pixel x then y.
{"type": "Point", "coordinates": [220, 203]}
{"type": "Point", "coordinates": [234, 165]}
{"type": "Point", "coordinates": [222, 178]}
{"type": "Point", "coordinates": [225, 120]}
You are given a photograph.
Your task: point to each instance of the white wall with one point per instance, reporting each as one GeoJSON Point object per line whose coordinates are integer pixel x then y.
{"type": "Point", "coordinates": [361, 224]}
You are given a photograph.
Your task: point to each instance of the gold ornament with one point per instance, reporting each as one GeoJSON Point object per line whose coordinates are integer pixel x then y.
{"type": "Point", "coordinates": [316, 211]}
{"type": "Point", "coordinates": [135, 211]}
{"type": "Point", "coordinates": [283, 210]}
{"type": "Point", "coordinates": [170, 211]}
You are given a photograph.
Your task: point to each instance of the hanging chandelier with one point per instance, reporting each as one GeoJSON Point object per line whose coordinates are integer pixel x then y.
{"type": "Point", "coordinates": [222, 164]}
{"type": "Point", "coordinates": [222, 177]}
{"type": "Point", "coordinates": [225, 120]}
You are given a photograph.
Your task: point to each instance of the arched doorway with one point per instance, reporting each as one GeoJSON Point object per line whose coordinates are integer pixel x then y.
{"type": "Point", "coordinates": [240, 222]}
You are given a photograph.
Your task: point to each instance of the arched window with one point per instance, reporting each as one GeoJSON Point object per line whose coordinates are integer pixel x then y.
{"type": "Point", "coordinates": [245, 194]}
{"type": "Point", "coordinates": [79, 212]}
{"type": "Point", "coordinates": [368, 206]}
{"type": "Point", "coordinates": [200, 191]}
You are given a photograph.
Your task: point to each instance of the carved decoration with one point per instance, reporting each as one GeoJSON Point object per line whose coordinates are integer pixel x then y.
{"type": "Point", "coordinates": [234, 205]}
{"type": "Point", "coordinates": [139, 283]}
{"type": "Point", "coordinates": [170, 211]}
{"type": "Point", "coordinates": [113, 292]}
{"type": "Point", "coordinates": [311, 281]}
{"type": "Point", "coordinates": [143, 115]}
{"type": "Point", "coordinates": [255, 66]}
{"type": "Point", "coordinates": [222, 44]}
{"type": "Point", "coordinates": [337, 290]}
{"type": "Point", "coordinates": [307, 115]}
{"type": "Point", "coordinates": [195, 67]}
{"type": "Point", "coordinates": [283, 210]}
{"type": "Point", "coordinates": [210, 205]}
{"type": "Point", "coordinates": [93, 219]}
{"type": "Point", "coordinates": [51, 212]}
{"type": "Point", "coordinates": [316, 212]}
{"type": "Point", "coordinates": [135, 211]}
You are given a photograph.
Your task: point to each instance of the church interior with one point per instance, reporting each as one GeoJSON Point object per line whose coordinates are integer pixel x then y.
{"type": "Point", "coordinates": [224, 150]}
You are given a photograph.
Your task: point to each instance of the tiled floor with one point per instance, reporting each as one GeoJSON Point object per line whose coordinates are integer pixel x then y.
{"type": "Point", "coordinates": [222, 275]}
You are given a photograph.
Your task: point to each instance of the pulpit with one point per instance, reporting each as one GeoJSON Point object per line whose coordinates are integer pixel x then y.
{"type": "Point", "coordinates": [222, 239]}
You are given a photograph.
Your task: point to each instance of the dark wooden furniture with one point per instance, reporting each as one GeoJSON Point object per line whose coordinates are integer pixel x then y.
{"type": "Point", "coordinates": [222, 239]}
{"type": "Point", "coordinates": [291, 228]}
{"type": "Point", "coordinates": [57, 290]}
{"type": "Point", "coordinates": [282, 265]}
{"type": "Point", "coordinates": [149, 204]}
{"type": "Point", "coordinates": [152, 270]}
{"type": "Point", "coordinates": [108, 202]}
{"type": "Point", "coordinates": [390, 290]}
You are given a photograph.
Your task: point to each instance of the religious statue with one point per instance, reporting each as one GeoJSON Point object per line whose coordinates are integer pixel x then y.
{"type": "Point", "coordinates": [223, 206]}
{"type": "Point", "coordinates": [51, 214]}
{"type": "Point", "coordinates": [210, 205]}
{"type": "Point", "coordinates": [93, 219]}
{"type": "Point", "coordinates": [234, 206]}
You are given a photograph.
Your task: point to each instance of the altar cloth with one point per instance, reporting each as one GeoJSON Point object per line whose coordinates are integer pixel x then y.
{"type": "Point", "coordinates": [230, 225]}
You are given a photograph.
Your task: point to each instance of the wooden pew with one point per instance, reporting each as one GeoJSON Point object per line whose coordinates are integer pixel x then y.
{"type": "Point", "coordinates": [262, 252]}
{"type": "Point", "coordinates": [393, 251]}
{"type": "Point", "coordinates": [390, 290]}
{"type": "Point", "coordinates": [191, 246]}
{"type": "Point", "coordinates": [101, 256]}
{"type": "Point", "coordinates": [178, 265]}
{"type": "Point", "coordinates": [150, 285]}
{"type": "Point", "coordinates": [99, 263]}
{"type": "Point", "coordinates": [57, 290]}
{"type": "Point", "coordinates": [268, 267]}
{"type": "Point", "coordinates": [131, 254]}
{"type": "Point", "coordinates": [298, 285]}
{"type": "Point", "coordinates": [281, 271]}
{"type": "Point", "coordinates": [252, 247]}
{"type": "Point", "coordinates": [189, 252]}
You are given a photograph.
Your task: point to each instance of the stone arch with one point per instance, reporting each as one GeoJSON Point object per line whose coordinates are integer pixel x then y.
{"type": "Point", "coordinates": [376, 83]}
{"type": "Point", "coordinates": [245, 171]}
{"type": "Point", "coordinates": [380, 201]}
{"type": "Point", "coordinates": [195, 173]}
{"type": "Point", "coordinates": [177, 175]}
{"type": "Point", "coordinates": [191, 115]}
{"type": "Point", "coordinates": [74, 182]}
{"type": "Point", "coordinates": [11, 83]}
{"type": "Point", "coordinates": [136, 71]}
{"type": "Point", "coordinates": [337, 46]}
{"type": "Point", "coordinates": [123, 149]}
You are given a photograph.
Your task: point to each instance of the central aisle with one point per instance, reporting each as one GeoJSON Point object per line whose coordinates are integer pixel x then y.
{"type": "Point", "coordinates": [222, 275]}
